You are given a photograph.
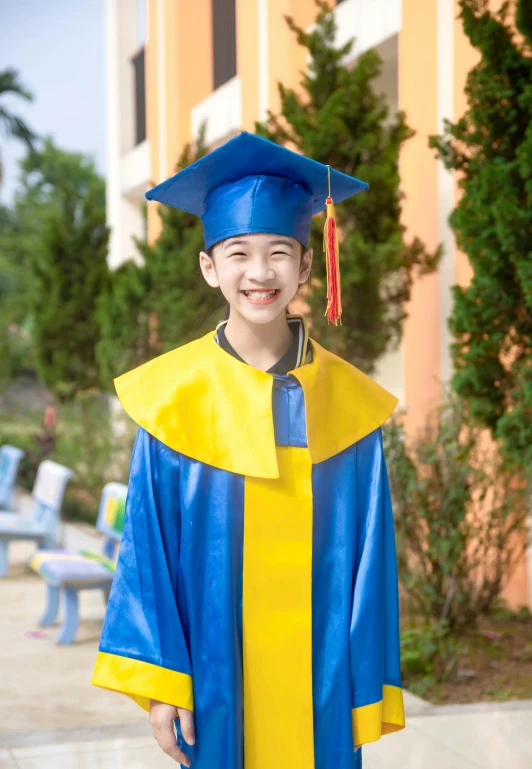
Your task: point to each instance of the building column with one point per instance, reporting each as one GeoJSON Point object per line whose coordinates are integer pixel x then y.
{"type": "Point", "coordinates": [418, 97]}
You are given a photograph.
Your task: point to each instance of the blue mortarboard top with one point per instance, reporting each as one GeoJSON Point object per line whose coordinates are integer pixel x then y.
{"type": "Point", "coordinates": [251, 184]}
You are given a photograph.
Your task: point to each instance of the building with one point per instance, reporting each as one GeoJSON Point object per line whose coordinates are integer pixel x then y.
{"type": "Point", "coordinates": [172, 64]}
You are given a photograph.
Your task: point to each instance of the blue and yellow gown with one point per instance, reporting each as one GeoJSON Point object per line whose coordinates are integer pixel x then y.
{"type": "Point", "coordinates": [257, 579]}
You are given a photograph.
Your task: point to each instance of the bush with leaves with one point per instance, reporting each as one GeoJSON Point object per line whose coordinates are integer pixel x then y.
{"type": "Point", "coordinates": [87, 442]}
{"type": "Point", "coordinates": [429, 654]}
{"type": "Point", "coordinates": [460, 516]}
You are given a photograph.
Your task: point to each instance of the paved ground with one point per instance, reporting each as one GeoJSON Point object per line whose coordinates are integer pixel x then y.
{"type": "Point", "coordinates": [472, 738]}
{"type": "Point", "coordinates": [52, 718]}
{"type": "Point", "coordinates": [48, 686]}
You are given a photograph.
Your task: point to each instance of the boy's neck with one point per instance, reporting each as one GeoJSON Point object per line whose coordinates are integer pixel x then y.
{"type": "Point", "coordinates": [259, 345]}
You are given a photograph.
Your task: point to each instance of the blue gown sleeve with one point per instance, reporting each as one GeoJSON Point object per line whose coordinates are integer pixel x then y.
{"type": "Point", "coordinates": [377, 694]}
{"type": "Point", "coordinates": [143, 651]}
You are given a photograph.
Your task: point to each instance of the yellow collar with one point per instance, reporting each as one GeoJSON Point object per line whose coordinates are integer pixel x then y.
{"type": "Point", "coordinates": [206, 404]}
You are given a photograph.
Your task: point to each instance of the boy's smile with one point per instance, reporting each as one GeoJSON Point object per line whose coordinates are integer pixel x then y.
{"type": "Point", "coordinates": [262, 296]}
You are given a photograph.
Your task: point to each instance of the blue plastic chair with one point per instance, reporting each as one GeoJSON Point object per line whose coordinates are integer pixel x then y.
{"type": "Point", "coordinates": [41, 524]}
{"type": "Point", "coordinates": [66, 572]}
{"type": "Point", "coordinates": [10, 457]}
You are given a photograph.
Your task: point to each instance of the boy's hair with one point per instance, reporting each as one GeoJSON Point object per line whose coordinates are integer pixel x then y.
{"type": "Point", "coordinates": [210, 251]}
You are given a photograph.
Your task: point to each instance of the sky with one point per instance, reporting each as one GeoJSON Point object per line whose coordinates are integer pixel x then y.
{"type": "Point", "coordinates": [58, 49]}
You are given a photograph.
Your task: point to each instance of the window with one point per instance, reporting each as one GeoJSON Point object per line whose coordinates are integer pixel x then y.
{"type": "Point", "coordinates": [223, 40]}
{"type": "Point", "coordinates": [140, 97]}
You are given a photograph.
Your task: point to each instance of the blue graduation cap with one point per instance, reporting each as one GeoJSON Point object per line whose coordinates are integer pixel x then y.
{"type": "Point", "coordinates": [251, 184]}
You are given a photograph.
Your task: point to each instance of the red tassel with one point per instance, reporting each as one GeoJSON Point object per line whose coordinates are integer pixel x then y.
{"type": "Point", "coordinates": [332, 260]}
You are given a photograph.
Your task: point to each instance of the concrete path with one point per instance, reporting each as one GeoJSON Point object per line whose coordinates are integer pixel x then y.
{"type": "Point", "coordinates": [52, 718]}
{"type": "Point", "coordinates": [462, 737]}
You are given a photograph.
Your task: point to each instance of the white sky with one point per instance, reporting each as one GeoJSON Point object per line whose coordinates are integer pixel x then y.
{"type": "Point", "coordinates": [58, 48]}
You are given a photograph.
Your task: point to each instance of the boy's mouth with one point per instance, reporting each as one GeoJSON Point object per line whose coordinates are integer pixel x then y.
{"type": "Point", "coordinates": [262, 296]}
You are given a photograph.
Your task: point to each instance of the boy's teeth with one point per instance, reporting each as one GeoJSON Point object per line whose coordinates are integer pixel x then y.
{"type": "Point", "coordinates": [260, 294]}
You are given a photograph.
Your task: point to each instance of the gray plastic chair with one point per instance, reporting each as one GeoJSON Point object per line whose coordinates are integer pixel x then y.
{"type": "Point", "coordinates": [41, 524]}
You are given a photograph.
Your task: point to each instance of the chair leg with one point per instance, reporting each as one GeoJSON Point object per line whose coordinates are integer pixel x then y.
{"type": "Point", "coordinates": [48, 542]}
{"type": "Point", "coordinates": [69, 627]}
{"type": "Point", "coordinates": [49, 615]}
{"type": "Point", "coordinates": [3, 557]}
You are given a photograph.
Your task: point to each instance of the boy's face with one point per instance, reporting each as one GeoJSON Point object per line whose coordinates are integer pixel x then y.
{"type": "Point", "coordinates": [258, 274]}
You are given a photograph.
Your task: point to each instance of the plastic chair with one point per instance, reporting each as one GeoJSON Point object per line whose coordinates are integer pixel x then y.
{"type": "Point", "coordinates": [10, 457]}
{"type": "Point", "coordinates": [66, 572]}
{"type": "Point", "coordinates": [41, 524]}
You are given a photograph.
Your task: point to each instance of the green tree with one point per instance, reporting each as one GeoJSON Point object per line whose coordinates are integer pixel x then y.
{"type": "Point", "coordinates": [340, 120]}
{"type": "Point", "coordinates": [490, 147]}
{"type": "Point", "coordinates": [63, 238]}
{"type": "Point", "coordinates": [43, 174]}
{"type": "Point", "coordinates": [163, 303]}
{"type": "Point", "coordinates": [15, 341]}
{"type": "Point", "coordinates": [11, 125]}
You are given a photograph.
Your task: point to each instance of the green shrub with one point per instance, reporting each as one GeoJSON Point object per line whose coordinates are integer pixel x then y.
{"type": "Point", "coordinates": [84, 440]}
{"type": "Point", "coordinates": [429, 653]}
{"type": "Point", "coordinates": [460, 516]}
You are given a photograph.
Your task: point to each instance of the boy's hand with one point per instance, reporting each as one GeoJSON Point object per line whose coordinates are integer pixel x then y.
{"type": "Point", "coordinates": [162, 723]}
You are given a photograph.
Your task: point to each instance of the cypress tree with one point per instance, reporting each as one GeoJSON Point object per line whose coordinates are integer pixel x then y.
{"type": "Point", "coordinates": [490, 147]}
{"type": "Point", "coordinates": [70, 272]}
{"type": "Point", "coordinates": [339, 119]}
{"type": "Point", "coordinates": [59, 239]}
{"type": "Point", "coordinates": [164, 302]}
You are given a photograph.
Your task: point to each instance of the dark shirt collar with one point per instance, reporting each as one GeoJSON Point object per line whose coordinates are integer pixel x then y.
{"type": "Point", "coordinates": [294, 357]}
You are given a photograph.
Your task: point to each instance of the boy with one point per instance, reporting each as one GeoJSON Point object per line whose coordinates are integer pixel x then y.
{"type": "Point", "coordinates": [255, 601]}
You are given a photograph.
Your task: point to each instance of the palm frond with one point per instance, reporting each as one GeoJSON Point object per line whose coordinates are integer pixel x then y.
{"type": "Point", "coordinates": [10, 83]}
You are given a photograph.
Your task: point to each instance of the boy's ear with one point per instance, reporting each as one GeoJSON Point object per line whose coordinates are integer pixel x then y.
{"type": "Point", "coordinates": [208, 269]}
{"type": "Point", "coordinates": [305, 265]}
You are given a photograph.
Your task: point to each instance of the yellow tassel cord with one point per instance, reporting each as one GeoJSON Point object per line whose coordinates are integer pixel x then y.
{"type": "Point", "coordinates": [332, 261]}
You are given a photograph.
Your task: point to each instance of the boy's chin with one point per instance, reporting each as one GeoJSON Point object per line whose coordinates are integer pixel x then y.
{"type": "Point", "coordinates": [262, 315]}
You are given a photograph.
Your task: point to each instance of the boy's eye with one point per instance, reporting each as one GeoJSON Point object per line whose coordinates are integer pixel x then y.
{"type": "Point", "coordinates": [281, 253]}
{"type": "Point", "coordinates": [237, 253]}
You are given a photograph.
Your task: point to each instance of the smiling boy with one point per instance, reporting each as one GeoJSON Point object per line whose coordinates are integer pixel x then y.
{"type": "Point", "coordinates": [255, 602]}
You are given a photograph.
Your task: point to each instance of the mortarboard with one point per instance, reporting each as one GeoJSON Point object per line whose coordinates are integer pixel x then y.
{"type": "Point", "coordinates": [251, 184]}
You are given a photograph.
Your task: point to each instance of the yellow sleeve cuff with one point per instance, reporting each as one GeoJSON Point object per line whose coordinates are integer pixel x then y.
{"type": "Point", "coordinates": [370, 722]}
{"type": "Point", "coordinates": [143, 681]}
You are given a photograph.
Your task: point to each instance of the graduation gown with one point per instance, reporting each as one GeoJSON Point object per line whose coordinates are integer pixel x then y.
{"type": "Point", "coordinates": [257, 581]}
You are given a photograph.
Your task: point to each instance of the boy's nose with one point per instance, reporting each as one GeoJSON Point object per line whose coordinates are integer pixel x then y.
{"type": "Point", "coordinates": [260, 271]}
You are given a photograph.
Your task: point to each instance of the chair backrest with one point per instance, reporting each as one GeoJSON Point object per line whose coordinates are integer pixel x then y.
{"type": "Point", "coordinates": [50, 483]}
{"type": "Point", "coordinates": [48, 492]}
{"type": "Point", "coordinates": [111, 515]}
{"type": "Point", "coordinates": [10, 457]}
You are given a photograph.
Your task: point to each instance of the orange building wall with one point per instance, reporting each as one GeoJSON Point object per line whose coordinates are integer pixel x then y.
{"type": "Point", "coordinates": [417, 75]}
{"type": "Point", "coordinates": [193, 66]}
{"type": "Point", "coordinates": [246, 60]}
{"type": "Point", "coordinates": [152, 111]}
{"type": "Point", "coordinates": [187, 67]}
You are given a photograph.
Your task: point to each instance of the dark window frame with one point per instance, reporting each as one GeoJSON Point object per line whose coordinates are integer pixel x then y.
{"type": "Point", "coordinates": [223, 41]}
{"type": "Point", "coordinates": [139, 75]}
